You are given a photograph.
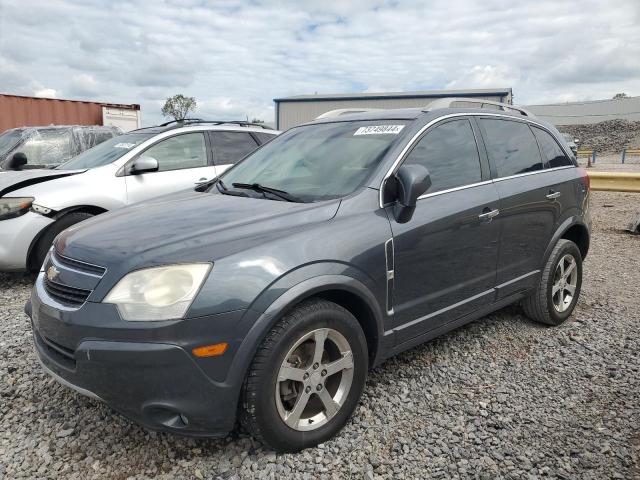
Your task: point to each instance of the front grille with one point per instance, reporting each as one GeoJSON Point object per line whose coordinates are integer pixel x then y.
{"type": "Point", "coordinates": [66, 295]}
{"type": "Point", "coordinates": [78, 265]}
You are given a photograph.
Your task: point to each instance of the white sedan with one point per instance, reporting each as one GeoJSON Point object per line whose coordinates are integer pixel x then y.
{"type": "Point", "coordinates": [36, 205]}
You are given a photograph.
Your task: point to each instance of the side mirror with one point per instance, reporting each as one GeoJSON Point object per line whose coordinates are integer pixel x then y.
{"type": "Point", "coordinates": [16, 162]}
{"type": "Point", "coordinates": [412, 181]}
{"type": "Point", "coordinates": [576, 141]}
{"type": "Point", "coordinates": [143, 165]}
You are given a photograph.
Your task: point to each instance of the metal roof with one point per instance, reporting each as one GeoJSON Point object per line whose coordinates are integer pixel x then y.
{"type": "Point", "coordinates": [129, 106]}
{"type": "Point", "coordinates": [392, 95]}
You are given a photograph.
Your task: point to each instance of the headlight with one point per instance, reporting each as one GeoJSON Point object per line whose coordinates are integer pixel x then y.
{"type": "Point", "coordinates": [158, 293]}
{"type": "Point", "coordinates": [14, 206]}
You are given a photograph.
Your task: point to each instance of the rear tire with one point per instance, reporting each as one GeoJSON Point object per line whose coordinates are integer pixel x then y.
{"type": "Point", "coordinates": [45, 241]}
{"type": "Point", "coordinates": [306, 378]}
{"type": "Point", "coordinates": [557, 293]}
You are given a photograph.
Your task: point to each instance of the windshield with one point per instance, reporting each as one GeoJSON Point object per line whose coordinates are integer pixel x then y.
{"type": "Point", "coordinates": [317, 162]}
{"type": "Point", "coordinates": [8, 140]}
{"type": "Point", "coordinates": [105, 152]}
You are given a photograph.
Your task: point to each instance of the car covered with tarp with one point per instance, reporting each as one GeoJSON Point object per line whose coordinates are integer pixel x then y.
{"type": "Point", "coordinates": [48, 147]}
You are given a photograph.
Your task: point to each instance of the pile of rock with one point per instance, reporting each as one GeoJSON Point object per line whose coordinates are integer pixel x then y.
{"type": "Point", "coordinates": [606, 137]}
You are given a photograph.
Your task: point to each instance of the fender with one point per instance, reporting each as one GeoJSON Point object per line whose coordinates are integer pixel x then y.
{"type": "Point", "coordinates": [265, 320]}
{"type": "Point", "coordinates": [561, 230]}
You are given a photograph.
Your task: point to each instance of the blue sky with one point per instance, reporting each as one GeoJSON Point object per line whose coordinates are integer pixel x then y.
{"type": "Point", "coordinates": [235, 57]}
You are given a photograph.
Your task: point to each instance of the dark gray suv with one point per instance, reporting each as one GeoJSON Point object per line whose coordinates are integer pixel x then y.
{"type": "Point", "coordinates": [271, 291]}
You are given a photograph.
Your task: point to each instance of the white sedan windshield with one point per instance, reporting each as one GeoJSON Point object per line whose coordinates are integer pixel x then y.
{"type": "Point", "coordinates": [105, 152]}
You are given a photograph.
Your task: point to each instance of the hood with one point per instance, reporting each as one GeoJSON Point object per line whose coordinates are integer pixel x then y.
{"type": "Point", "coordinates": [14, 180]}
{"type": "Point", "coordinates": [187, 227]}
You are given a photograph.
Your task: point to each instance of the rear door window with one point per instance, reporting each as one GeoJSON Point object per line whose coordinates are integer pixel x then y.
{"type": "Point", "coordinates": [551, 151]}
{"type": "Point", "coordinates": [511, 147]}
{"type": "Point", "coordinates": [231, 147]}
{"type": "Point", "coordinates": [450, 153]}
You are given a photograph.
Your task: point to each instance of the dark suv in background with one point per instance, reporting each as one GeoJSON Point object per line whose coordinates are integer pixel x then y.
{"type": "Point", "coordinates": [271, 290]}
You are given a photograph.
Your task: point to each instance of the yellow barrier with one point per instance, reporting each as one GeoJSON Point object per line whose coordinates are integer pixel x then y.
{"type": "Point", "coordinates": [589, 154]}
{"type": "Point", "coordinates": [634, 152]}
{"type": "Point", "coordinates": [584, 153]}
{"type": "Point", "coordinates": [614, 181]}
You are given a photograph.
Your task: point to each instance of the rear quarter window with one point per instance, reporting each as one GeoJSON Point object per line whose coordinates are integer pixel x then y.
{"type": "Point", "coordinates": [511, 147]}
{"type": "Point", "coordinates": [551, 151]}
{"type": "Point", "coordinates": [263, 137]}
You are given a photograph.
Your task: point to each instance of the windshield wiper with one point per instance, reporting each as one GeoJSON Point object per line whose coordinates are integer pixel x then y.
{"type": "Point", "coordinates": [256, 187]}
{"type": "Point", "coordinates": [222, 188]}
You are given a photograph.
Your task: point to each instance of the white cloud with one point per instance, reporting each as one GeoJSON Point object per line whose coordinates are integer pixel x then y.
{"type": "Point", "coordinates": [83, 85]}
{"type": "Point", "coordinates": [236, 56]}
{"type": "Point", "coordinates": [485, 76]}
{"type": "Point", "coordinates": [45, 93]}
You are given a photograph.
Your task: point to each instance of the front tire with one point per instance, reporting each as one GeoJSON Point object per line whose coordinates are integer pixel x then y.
{"type": "Point", "coordinates": [557, 292]}
{"type": "Point", "coordinates": [306, 378]}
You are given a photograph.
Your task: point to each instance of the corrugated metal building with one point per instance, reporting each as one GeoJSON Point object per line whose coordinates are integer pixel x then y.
{"type": "Point", "coordinates": [580, 113]}
{"type": "Point", "coordinates": [21, 111]}
{"type": "Point", "coordinates": [292, 111]}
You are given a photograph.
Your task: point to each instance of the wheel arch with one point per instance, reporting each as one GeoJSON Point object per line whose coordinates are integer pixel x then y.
{"type": "Point", "coordinates": [92, 209]}
{"type": "Point", "coordinates": [578, 234]}
{"type": "Point", "coordinates": [361, 310]}
{"type": "Point", "coordinates": [57, 215]}
{"type": "Point", "coordinates": [345, 291]}
{"type": "Point", "coordinates": [574, 229]}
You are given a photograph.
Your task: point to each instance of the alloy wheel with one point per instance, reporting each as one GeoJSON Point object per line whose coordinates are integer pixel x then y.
{"type": "Point", "coordinates": [565, 280]}
{"type": "Point", "coordinates": [314, 379]}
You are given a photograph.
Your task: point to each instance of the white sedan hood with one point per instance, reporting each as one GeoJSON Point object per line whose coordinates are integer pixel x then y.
{"type": "Point", "coordinates": [11, 180]}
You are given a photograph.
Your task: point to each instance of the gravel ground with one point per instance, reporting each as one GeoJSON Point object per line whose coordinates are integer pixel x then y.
{"type": "Point", "coordinates": [501, 397]}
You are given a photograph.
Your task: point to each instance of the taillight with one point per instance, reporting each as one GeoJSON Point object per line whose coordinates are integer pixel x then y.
{"type": "Point", "coordinates": [586, 181]}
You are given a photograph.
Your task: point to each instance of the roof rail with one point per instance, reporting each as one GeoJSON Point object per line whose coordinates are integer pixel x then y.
{"type": "Point", "coordinates": [344, 111]}
{"type": "Point", "coordinates": [450, 101]}
{"type": "Point", "coordinates": [184, 120]}
{"type": "Point", "coordinates": [190, 121]}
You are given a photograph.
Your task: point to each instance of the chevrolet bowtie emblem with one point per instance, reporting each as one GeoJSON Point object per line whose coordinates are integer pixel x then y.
{"type": "Point", "coordinates": [52, 273]}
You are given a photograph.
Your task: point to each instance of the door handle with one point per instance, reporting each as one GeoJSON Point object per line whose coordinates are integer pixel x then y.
{"type": "Point", "coordinates": [488, 216]}
{"type": "Point", "coordinates": [553, 195]}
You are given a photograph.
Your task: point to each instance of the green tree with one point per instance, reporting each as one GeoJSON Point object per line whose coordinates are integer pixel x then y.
{"type": "Point", "coordinates": [179, 107]}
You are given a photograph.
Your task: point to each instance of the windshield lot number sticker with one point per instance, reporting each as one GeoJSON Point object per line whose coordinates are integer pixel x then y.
{"type": "Point", "coordinates": [124, 145]}
{"type": "Point", "coordinates": [379, 130]}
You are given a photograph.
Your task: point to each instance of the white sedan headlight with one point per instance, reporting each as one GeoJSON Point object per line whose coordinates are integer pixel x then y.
{"type": "Point", "coordinates": [158, 293]}
{"type": "Point", "coordinates": [11, 207]}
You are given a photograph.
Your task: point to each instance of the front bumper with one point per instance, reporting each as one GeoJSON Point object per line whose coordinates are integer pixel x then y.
{"type": "Point", "coordinates": [16, 236]}
{"type": "Point", "coordinates": [144, 372]}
